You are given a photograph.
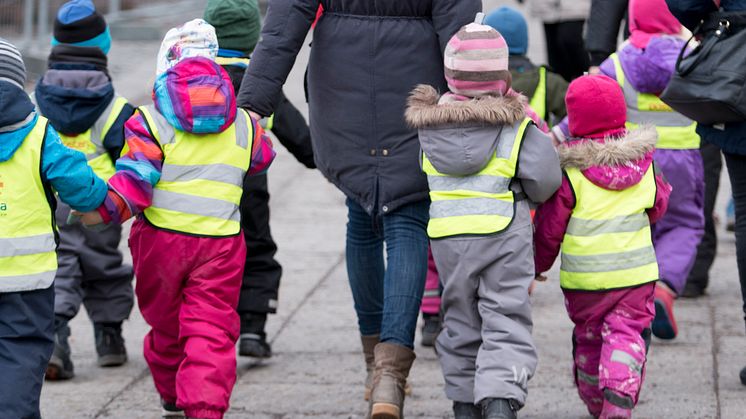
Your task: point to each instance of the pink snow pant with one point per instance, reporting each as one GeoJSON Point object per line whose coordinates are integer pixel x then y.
{"type": "Point", "coordinates": [609, 349]}
{"type": "Point", "coordinates": [187, 289]}
{"type": "Point", "coordinates": [431, 297]}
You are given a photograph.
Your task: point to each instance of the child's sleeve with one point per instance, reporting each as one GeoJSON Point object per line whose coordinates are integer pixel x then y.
{"type": "Point", "coordinates": [662, 194]}
{"type": "Point", "coordinates": [550, 225]}
{"type": "Point", "coordinates": [138, 171]}
{"type": "Point", "coordinates": [291, 128]}
{"type": "Point", "coordinates": [262, 153]}
{"type": "Point", "coordinates": [69, 174]}
{"type": "Point", "coordinates": [114, 139]}
{"type": "Point", "coordinates": [539, 170]}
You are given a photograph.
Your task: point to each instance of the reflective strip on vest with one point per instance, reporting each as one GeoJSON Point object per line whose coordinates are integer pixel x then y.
{"type": "Point", "coordinates": [27, 242]}
{"type": "Point", "coordinates": [539, 99]}
{"type": "Point", "coordinates": [200, 188]}
{"type": "Point", "coordinates": [675, 131]}
{"type": "Point", "coordinates": [481, 203]}
{"type": "Point", "coordinates": [608, 242]}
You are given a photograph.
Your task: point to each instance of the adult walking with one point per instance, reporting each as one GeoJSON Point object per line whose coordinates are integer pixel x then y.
{"type": "Point", "coordinates": [366, 58]}
{"type": "Point", "coordinates": [731, 137]}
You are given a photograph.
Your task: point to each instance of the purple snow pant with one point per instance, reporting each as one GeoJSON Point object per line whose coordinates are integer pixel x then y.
{"type": "Point", "coordinates": [677, 235]}
{"type": "Point", "coordinates": [609, 349]}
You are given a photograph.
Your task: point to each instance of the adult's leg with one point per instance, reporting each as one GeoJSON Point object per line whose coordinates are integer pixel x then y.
{"type": "Point", "coordinates": [571, 57]}
{"type": "Point", "coordinates": [707, 249]}
{"type": "Point", "coordinates": [26, 343]}
{"type": "Point", "coordinates": [737, 173]}
{"type": "Point", "coordinates": [554, 52]}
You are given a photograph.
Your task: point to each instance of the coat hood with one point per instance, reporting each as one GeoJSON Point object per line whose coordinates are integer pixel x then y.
{"type": "Point", "coordinates": [73, 96]}
{"type": "Point", "coordinates": [196, 95]}
{"type": "Point", "coordinates": [612, 163]}
{"type": "Point", "coordinates": [17, 118]}
{"type": "Point", "coordinates": [650, 69]}
{"type": "Point", "coordinates": [460, 137]}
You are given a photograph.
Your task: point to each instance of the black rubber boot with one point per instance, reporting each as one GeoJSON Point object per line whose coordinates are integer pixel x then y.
{"type": "Point", "coordinates": [169, 410]}
{"type": "Point", "coordinates": [743, 376]}
{"type": "Point", "coordinates": [499, 409]}
{"type": "Point", "coordinates": [463, 410]}
{"type": "Point", "coordinates": [110, 344]}
{"type": "Point", "coordinates": [430, 329]}
{"type": "Point", "coordinates": [253, 341]}
{"type": "Point", "coordinates": [60, 366]}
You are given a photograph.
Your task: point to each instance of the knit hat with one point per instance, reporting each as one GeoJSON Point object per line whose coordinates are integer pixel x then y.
{"type": "Point", "coordinates": [195, 38]}
{"type": "Point", "coordinates": [512, 26]}
{"type": "Point", "coordinates": [648, 18]}
{"type": "Point", "coordinates": [12, 68]}
{"type": "Point", "coordinates": [476, 62]}
{"type": "Point", "coordinates": [237, 23]}
{"type": "Point", "coordinates": [595, 107]}
{"type": "Point", "coordinates": [79, 24]}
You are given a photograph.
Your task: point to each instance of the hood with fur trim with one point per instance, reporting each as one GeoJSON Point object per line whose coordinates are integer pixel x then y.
{"type": "Point", "coordinates": [460, 137]}
{"type": "Point", "coordinates": [612, 163]}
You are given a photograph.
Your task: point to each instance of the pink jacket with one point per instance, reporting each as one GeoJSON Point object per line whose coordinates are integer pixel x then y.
{"type": "Point", "coordinates": [610, 164]}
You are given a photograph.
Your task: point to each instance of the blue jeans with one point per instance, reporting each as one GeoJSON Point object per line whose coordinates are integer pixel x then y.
{"type": "Point", "coordinates": [388, 295]}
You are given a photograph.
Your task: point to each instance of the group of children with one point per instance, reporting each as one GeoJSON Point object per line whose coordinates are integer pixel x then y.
{"type": "Point", "coordinates": [179, 167]}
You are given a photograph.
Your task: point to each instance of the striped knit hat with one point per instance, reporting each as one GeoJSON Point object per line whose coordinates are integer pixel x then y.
{"type": "Point", "coordinates": [476, 62]}
{"type": "Point", "coordinates": [12, 68]}
{"type": "Point", "coordinates": [78, 23]}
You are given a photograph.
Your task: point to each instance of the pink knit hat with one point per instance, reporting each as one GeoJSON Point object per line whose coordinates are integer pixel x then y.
{"type": "Point", "coordinates": [648, 18]}
{"type": "Point", "coordinates": [476, 62]}
{"type": "Point", "coordinates": [595, 107]}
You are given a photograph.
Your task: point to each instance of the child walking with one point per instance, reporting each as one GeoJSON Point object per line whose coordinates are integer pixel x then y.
{"type": "Point", "coordinates": [182, 175]}
{"type": "Point", "coordinates": [485, 160]}
{"type": "Point", "coordinates": [33, 163]}
{"type": "Point", "coordinates": [78, 98]}
{"type": "Point", "coordinates": [643, 66]}
{"type": "Point", "coordinates": [600, 218]}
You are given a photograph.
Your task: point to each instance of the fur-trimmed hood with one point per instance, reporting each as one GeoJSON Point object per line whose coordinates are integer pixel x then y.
{"type": "Point", "coordinates": [425, 109]}
{"type": "Point", "coordinates": [614, 164]}
{"type": "Point", "coordinates": [460, 137]}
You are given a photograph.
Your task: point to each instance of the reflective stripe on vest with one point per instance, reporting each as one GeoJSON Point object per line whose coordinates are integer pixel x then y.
{"type": "Point", "coordinates": [27, 242]}
{"type": "Point", "coordinates": [481, 203]}
{"type": "Point", "coordinates": [91, 142]}
{"type": "Point", "coordinates": [675, 131]}
{"type": "Point", "coordinates": [201, 182]}
{"type": "Point", "coordinates": [539, 99]}
{"type": "Point", "coordinates": [608, 241]}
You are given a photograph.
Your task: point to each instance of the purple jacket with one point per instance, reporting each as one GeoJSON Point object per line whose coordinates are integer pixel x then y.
{"type": "Point", "coordinates": [627, 162]}
{"type": "Point", "coordinates": [648, 70]}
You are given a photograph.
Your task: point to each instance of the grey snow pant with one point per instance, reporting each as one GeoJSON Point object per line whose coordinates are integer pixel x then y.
{"type": "Point", "coordinates": [486, 349]}
{"type": "Point", "coordinates": [91, 272]}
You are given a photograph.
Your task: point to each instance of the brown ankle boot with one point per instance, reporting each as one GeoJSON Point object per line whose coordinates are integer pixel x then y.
{"type": "Point", "coordinates": [389, 379]}
{"type": "Point", "coordinates": [369, 344]}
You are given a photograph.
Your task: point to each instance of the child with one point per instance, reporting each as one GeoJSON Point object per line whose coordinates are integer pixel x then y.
{"type": "Point", "coordinates": [33, 162]}
{"type": "Point", "coordinates": [431, 304]}
{"type": "Point", "coordinates": [77, 96]}
{"type": "Point", "coordinates": [600, 217]}
{"type": "Point", "coordinates": [182, 177]}
{"type": "Point", "coordinates": [545, 88]}
{"type": "Point", "coordinates": [484, 160]}
{"type": "Point", "coordinates": [237, 24]}
{"type": "Point", "coordinates": [643, 66]}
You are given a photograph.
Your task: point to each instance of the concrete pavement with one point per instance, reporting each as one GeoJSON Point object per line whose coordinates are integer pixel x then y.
{"type": "Point", "coordinates": [317, 370]}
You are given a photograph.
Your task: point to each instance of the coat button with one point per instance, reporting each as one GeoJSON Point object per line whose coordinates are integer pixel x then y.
{"type": "Point", "coordinates": [372, 151]}
{"type": "Point", "coordinates": [385, 208]}
{"type": "Point", "coordinates": [385, 152]}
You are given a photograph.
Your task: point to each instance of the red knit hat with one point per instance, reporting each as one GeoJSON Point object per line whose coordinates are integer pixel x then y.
{"type": "Point", "coordinates": [595, 107]}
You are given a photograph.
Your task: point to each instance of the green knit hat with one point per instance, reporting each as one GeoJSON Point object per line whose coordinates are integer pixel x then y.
{"type": "Point", "coordinates": [237, 23]}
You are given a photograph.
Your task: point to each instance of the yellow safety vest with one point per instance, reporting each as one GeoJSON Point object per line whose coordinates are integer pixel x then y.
{"type": "Point", "coordinates": [91, 142]}
{"type": "Point", "coordinates": [675, 131]}
{"type": "Point", "coordinates": [27, 235]}
{"type": "Point", "coordinates": [478, 204]}
{"type": "Point", "coordinates": [608, 242]}
{"type": "Point", "coordinates": [202, 178]}
{"type": "Point", "coordinates": [539, 99]}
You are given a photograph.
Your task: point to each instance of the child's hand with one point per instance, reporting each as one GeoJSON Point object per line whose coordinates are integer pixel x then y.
{"type": "Point", "coordinates": [89, 218]}
{"type": "Point", "coordinates": [539, 278]}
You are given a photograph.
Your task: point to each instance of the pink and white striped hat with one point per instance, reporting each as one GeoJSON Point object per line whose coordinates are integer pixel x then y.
{"type": "Point", "coordinates": [476, 62]}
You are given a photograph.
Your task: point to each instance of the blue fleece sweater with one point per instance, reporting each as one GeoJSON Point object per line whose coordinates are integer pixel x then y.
{"type": "Point", "coordinates": [65, 169]}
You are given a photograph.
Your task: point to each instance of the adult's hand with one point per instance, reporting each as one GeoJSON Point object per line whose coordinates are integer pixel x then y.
{"type": "Point", "coordinates": [594, 70]}
{"type": "Point", "coordinates": [255, 116]}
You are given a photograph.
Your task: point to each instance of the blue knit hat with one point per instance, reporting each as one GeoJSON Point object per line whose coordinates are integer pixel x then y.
{"type": "Point", "coordinates": [512, 25]}
{"type": "Point", "coordinates": [79, 24]}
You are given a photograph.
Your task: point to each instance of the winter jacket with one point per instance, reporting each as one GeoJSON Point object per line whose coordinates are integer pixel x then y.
{"type": "Point", "coordinates": [289, 125]}
{"type": "Point", "coordinates": [648, 70]}
{"type": "Point", "coordinates": [526, 80]}
{"type": "Point", "coordinates": [65, 170]}
{"type": "Point", "coordinates": [612, 164]}
{"type": "Point", "coordinates": [460, 138]}
{"type": "Point", "coordinates": [553, 11]}
{"type": "Point", "coordinates": [366, 58]}
{"type": "Point", "coordinates": [731, 138]}
{"type": "Point", "coordinates": [602, 31]}
{"type": "Point", "coordinates": [175, 95]}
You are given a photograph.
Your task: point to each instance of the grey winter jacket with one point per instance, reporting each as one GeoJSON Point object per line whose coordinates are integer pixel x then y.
{"type": "Point", "coordinates": [365, 59]}
{"type": "Point", "coordinates": [460, 138]}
